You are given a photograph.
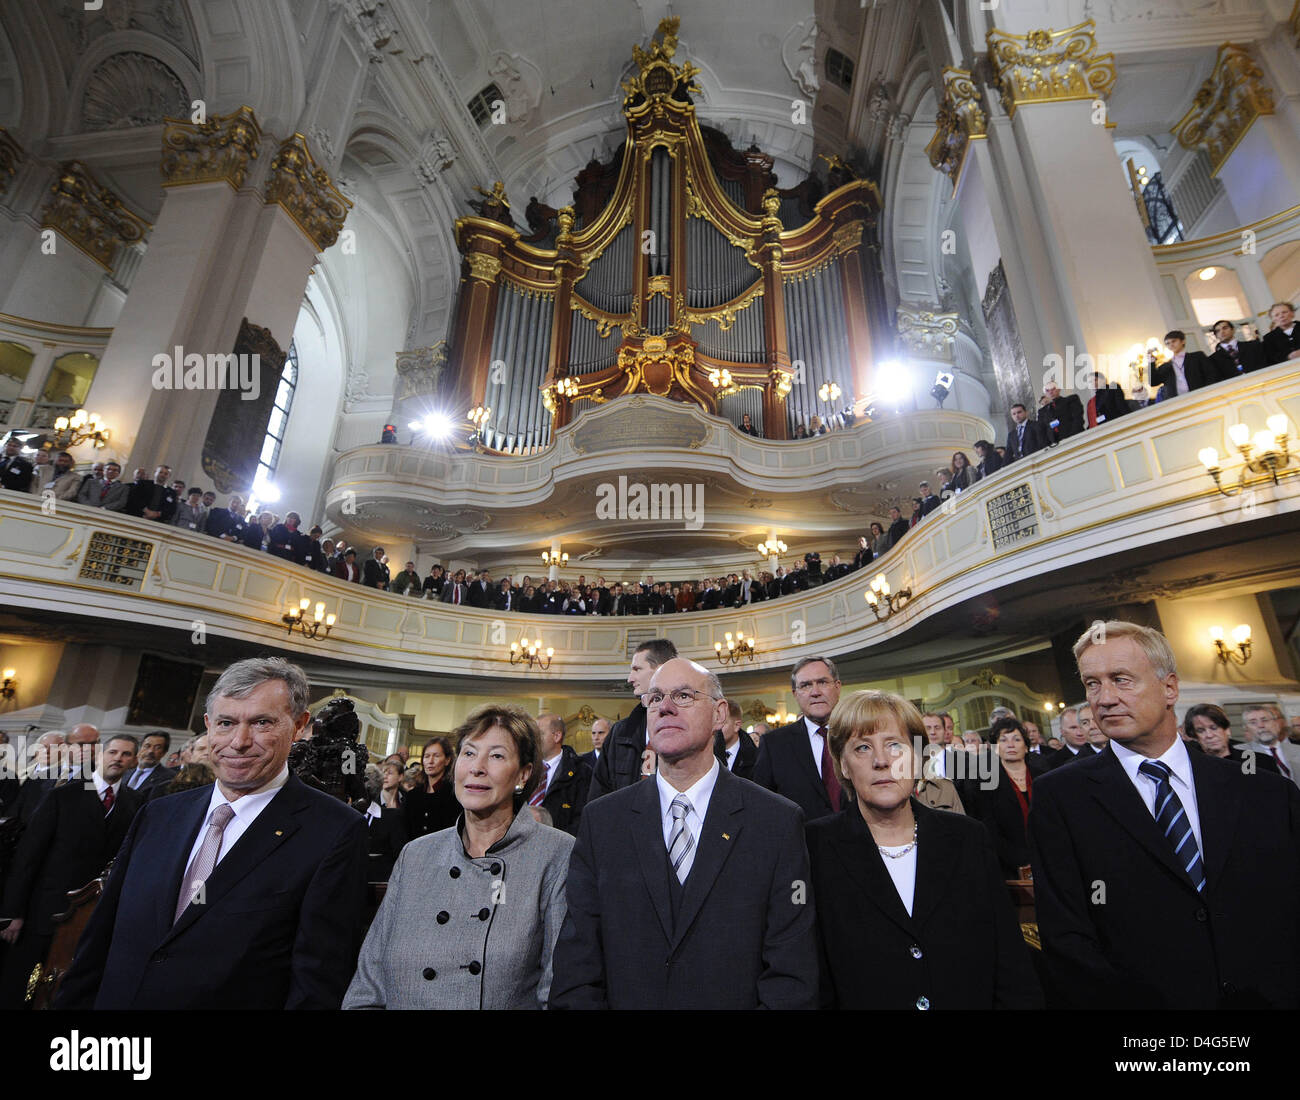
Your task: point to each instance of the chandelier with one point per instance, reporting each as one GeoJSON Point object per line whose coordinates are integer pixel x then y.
{"type": "Point", "coordinates": [80, 428]}
{"type": "Point", "coordinates": [737, 647]}
{"type": "Point", "coordinates": [771, 547]}
{"type": "Point", "coordinates": [879, 596]}
{"type": "Point", "coordinates": [296, 619]}
{"type": "Point", "coordinates": [524, 651]}
{"type": "Point", "coordinates": [1263, 454]}
{"type": "Point", "coordinates": [555, 558]}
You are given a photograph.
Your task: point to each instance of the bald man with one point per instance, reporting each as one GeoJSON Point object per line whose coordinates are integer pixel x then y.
{"type": "Point", "coordinates": [599, 731]}
{"type": "Point", "coordinates": [562, 791]}
{"type": "Point", "coordinates": [78, 756]}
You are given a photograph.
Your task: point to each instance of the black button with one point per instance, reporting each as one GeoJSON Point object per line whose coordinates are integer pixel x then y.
{"type": "Point", "coordinates": [444, 917]}
{"type": "Point", "coordinates": [454, 872]}
{"type": "Point", "coordinates": [474, 967]}
{"type": "Point", "coordinates": [429, 973]}
{"type": "Point", "coordinates": [495, 868]}
{"type": "Point", "coordinates": [484, 913]}
{"type": "Point", "coordinates": [160, 957]}
{"type": "Point", "coordinates": [1202, 915]}
{"type": "Point", "coordinates": [1228, 988]}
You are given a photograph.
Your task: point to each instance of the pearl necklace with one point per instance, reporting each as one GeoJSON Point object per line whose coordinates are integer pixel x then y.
{"type": "Point", "coordinates": [899, 855]}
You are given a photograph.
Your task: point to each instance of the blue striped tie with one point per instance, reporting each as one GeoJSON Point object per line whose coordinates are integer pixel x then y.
{"type": "Point", "coordinates": [1172, 819]}
{"type": "Point", "coordinates": [683, 841]}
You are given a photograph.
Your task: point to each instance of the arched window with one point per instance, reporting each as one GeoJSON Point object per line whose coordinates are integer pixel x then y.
{"type": "Point", "coordinates": [279, 421]}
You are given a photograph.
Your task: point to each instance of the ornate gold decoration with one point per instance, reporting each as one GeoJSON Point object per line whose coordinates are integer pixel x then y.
{"type": "Point", "coordinates": [90, 215]}
{"type": "Point", "coordinates": [11, 153]}
{"type": "Point", "coordinates": [603, 321]}
{"type": "Point", "coordinates": [1050, 66]}
{"type": "Point", "coordinates": [482, 266]}
{"type": "Point", "coordinates": [658, 77]}
{"type": "Point", "coordinates": [304, 192]}
{"type": "Point", "coordinates": [927, 335]}
{"type": "Point", "coordinates": [659, 284]}
{"type": "Point", "coordinates": [212, 151]}
{"type": "Point", "coordinates": [959, 119]}
{"type": "Point", "coordinates": [1225, 106]}
{"type": "Point", "coordinates": [564, 219]}
{"type": "Point", "coordinates": [419, 370]}
{"type": "Point", "coordinates": [680, 360]}
{"type": "Point", "coordinates": [724, 314]}
{"type": "Point", "coordinates": [848, 235]}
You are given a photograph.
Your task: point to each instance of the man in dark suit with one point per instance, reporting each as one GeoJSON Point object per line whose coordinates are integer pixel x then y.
{"type": "Point", "coordinates": [1186, 371]}
{"type": "Point", "coordinates": [1107, 402]}
{"type": "Point", "coordinates": [794, 760]}
{"type": "Point", "coordinates": [1153, 866]}
{"type": "Point", "coordinates": [1075, 745]}
{"type": "Point", "coordinates": [929, 502]}
{"type": "Point", "coordinates": [227, 523]}
{"type": "Point", "coordinates": [72, 836]}
{"type": "Point", "coordinates": [40, 778]}
{"type": "Point", "coordinates": [621, 760]}
{"type": "Point", "coordinates": [1026, 435]}
{"type": "Point", "coordinates": [599, 735]}
{"type": "Point", "coordinates": [683, 891]}
{"type": "Point", "coordinates": [1232, 357]}
{"type": "Point", "coordinates": [164, 499]}
{"type": "Point", "coordinates": [1060, 416]}
{"type": "Point", "coordinates": [148, 772]}
{"type": "Point", "coordinates": [139, 493]}
{"type": "Point", "coordinates": [455, 591]}
{"type": "Point", "coordinates": [282, 540]}
{"type": "Point", "coordinates": [897, 527]}
{"type": "Point", "coordinates": [15, 470]}
{"type": "Point", "coordinates": [374, 573]}
{"type": "Point", "coordinates": [1282, 341]}
{"type": "Point", "coordinates": [733, 747]}
{"type": "Point", "coordinates": [563, 790]}
{"type": "Point", "coordinates": [246, 894]}
{"type": "Point", "coordinates": [107, 492]}
{"type": "Point", "coordinates": [480, 590]}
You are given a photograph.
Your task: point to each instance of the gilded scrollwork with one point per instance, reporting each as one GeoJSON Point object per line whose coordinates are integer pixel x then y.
{"type": "Point", "coordinates": [90, 215]}
{"type": "Point", "coordinates": [1049, 66]}
{"type": "Point", "coordinates": [219, 149]}
{"type": "Point", "coordinates": [304, 192]}
{"type": "Point", "coordinates": [1226, 104]}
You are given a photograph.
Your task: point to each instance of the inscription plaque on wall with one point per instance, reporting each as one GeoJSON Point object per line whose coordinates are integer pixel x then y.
{"type": "Point", "coordinates": [1013, 517]}
{"type": "Point", "coordinates": [116, 561]}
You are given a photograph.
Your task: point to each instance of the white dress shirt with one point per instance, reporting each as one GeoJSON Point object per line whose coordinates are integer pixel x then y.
{"type": "Point", "coordinates": [1180, 375]}
{"type": "Point", "coordinates": [1178, 762]}
{"type": "Point", "coordinates": [732, 753]}
{"type": "Point", "coordinates": [551, 765]}
{"type": "Point", "coordinates": [246, 810]}
{"type": "Point", "coordinates": [903, 871]}
{"type": "Point", "coordinates": [815, 740]}
{"type": "Point", "coordinates": [101, 785]}
{"type": "Point", "coordinates": [698, 795]}
{"type": "Point", "coordinates": [141, 774]}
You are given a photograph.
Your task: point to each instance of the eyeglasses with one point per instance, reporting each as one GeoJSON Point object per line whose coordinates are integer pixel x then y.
{"type": "Point", "coordinates": [808, 685]}
{"type": "Point", "coordinates": [682, 697]}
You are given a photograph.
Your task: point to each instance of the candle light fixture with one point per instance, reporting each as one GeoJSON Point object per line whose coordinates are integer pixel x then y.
{"type": "Point", "coordinates": [1240, 637]}
{"type": "Point", "coordinates": [883, 600]}
{"type": "Point", "coordinates": [736, 647]}
{"type": "Point", "coordinates": [1264, 455]}
{"type": "Point", "coordinates": [296, 618]}
{"type": "Point", "coordinates": [524, 651]}
{"type": "Point", "coordinates": [80, 428]}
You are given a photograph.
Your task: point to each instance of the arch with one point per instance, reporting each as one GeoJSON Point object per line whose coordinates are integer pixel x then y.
{"type": "Point", "coordinates": [119, 42]}
{"type": "Point", "coordinates": [253, 57]}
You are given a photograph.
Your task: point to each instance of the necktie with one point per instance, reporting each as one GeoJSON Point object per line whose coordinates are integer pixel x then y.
{"type": "Point", "coordinates": [137, 779]}
{"type": "Point", "coordinates": [456, 595]}
{"type": "Point", "coordinates": [104, 491]}
{"type": "Point", "coordinates": [682, 845]}
{"type": "Point", "coordinates": [204, 860]}
{"type": "Point", "coordinates": [108, 799]}
{"type": "Point", "coordinates": [540, 793]}
{"type": "Point", "coordinates": [831, 784]}
{"type": "Point", "coordinates": [1020, 438]}
{"type": "Point", "coordinates": [1171, 818]}
{"type": "Point", "coordinates": [1281, 764]}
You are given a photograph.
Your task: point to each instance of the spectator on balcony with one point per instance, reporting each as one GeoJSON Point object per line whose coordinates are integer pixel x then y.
{"type": "Point", "coordinates": [1233, 357]}
{"type": "Point", "coordinates": [898, 527]}
{"type": "Point", "coordinates": [928, 502]}
{"type": "Point", "coordinates": [42, 472]}
{"type": "Point", "coordinates": [265, 522]}
{"type": "Point", "coordinates": [667, 599]}
{"type": "Point", "coordinates": [1139, 399]}
{"type": "Point", "coordinates": [164, 500]}
{"type": "Point", "coordinates": [432, 586]}
{"type": "Point", "coordinates": [800, 432]}
{"type": "Point", "coordinates": [227, 523]}
{"type": "Point", "coordinates": [15, 470]}
{"type": "Point", "coordinates": [480, 590]}
{"type": "Point", "coordinates": [313, 553]}
{"type": "Point", "coordinates": [836, 569]}
{"type": "Point", "coordinates": [1060, 416]}
{"type": "Point", "coordinates": [347, 569]}
{"type": "Point", "coordinates": [107, 492]}
{"type": "Point", "coordinates": [64, 480]}
{"type": "Point", "coordinates": [528, 600]}
{"type": "Point", "coordinates": [990, 461]}
{"type": "Point", "coordinates": [1027, 435]}
{"type": "Point", "coordinates": [604, 598]}
{"type": "Point", "coordinates": [325, 559]}
{"type": "Point", "coordinates": [1186, 371]}
{"type": "Point", "coordinates": [284, 540]}
{"type": "Point", "coordinates": [1282, 341]}
{"type": "Point", "coordinates": [407, 578]}
{"type": "Point", "coordinates": [685, 598]}
{"type": "Point", "coordinates": [454, 591]}
{"type": "Point", "coordinates": [1107, 402]}
{"type": "Point", "coordinates": [374, 574]}
{"type": "Point", "coordinates": [191, 514]}
{"type": "Point", "coordinates": [751, 591]}
{"type": "Point", "coordinates": [505, 598]}
{"type": "Point", "coordinates": [812, 563]}
{"type": "Point", "coordinates": [747, 426]}
{"type": "Point", "coordinates": [139, 492]}
{"type": "Point", "coordinates": [866, 550]}
{"type": "Point", "coordinates": [963, 473]}
{"type": "Point", "coordinates": [816, 427]}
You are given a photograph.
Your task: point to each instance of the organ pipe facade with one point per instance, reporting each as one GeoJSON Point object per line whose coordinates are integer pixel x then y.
{"type": "Point", "coordinates": [685, 270]}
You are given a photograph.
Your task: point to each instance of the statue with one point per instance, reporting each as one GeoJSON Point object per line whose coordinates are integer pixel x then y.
{"type": "Point", "coordinates": [333, 760]}
{"type": "Point", "coordinates": [495, 205]}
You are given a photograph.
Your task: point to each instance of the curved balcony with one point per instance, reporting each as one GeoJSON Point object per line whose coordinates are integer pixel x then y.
{"type": "Point", "coordinates": [1121, 514]}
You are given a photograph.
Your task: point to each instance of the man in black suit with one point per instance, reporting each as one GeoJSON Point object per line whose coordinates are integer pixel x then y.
{"type": "Point", "coordinates": [40, 778]}
{"type": "Point", "coordinates": [733, 747]}
{"type": "Point", "coordinates": [563, 789]}
{"type": "Point", "coordinates": [599, 734]}
{"type": "Point", "coordinates": [15, 470]}
{"type": "Point", "coordinates": [1075, 745]}
{"type": "Point", "coordinates": [1232, 357]}
{"type": "Point", "coordinates": [1107, 401]}
{"type": "Point", "coordinates": [1282, 341]}
{"type": "Point", "coordinates": [1186, 371]}
{"type": "Point", "coordinates": [139, 493]}
{"type": "Point", "coordinates": [70, 839]}
{"type": "Point", "coordinates": [480, 590]}
{"type": "Point", "coordinates": [164, 499]}
{"type": "Point", "coordinates": [374, 573]}
{"type": "Point", "coordinates": [897, 527]}
{"type": "Point", "coordinates": [1059, 416]}
{"type": "Point", "coordinates": [1026, 435]}
{"type": "Point", "coordinates": [283, 540]}
{"type": "Point", "coordinates": [1155, 868]}
{"type": "Point", "coordinates": [622, 759]}
{"type": "Point", "coordinates": [794, 760]}
{"type": "Point", "coordinates": [148, 772]}
{"type": "Point", "coordinates": [227, 523]}
{"type": "Point", "coordinates": [929, 502]}
{"type": "Point", "coordinates": [684, 891]}
{"type": "Point", "coordinates": [454, 589]}
{"type": "Point", "coordinates": [249, 893]}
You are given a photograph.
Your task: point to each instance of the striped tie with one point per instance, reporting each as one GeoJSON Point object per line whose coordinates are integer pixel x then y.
{"type": "Point", "coordinates": [682, 845]}
{"type": "Point", "coordinates": [1172, 819]}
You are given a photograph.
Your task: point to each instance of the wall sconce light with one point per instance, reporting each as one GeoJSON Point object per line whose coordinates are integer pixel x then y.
{"type": "Point", "coordinates": [1226, 654]}
{"type": "Point", "coordinates": [737, 647]}
{"type": "Point", "coordinates": [478, 416]}
{"type": "Point", "coordinates": [770, 547]}
{"type": "Point", "coordinates": [554, 559]}
{"type": "Point", "coordinates": [567, 387]}
{"type": "Point", "coordinates": [879, 596]}
{"type": "Point", "coordinates": [1263, 454]}
{"type": "Point", "coordinates": [829, 391]}
{"type": "Point", "coordinates": [80, 428]}
{"type": "Point", "coordinates": [720, 379]}
{"type": "Point", "coordinates": [9, 687]}
{"type": "Point", "coordinates": [531, 652]}
{"type": "Point", "coordinates": [296, 618]}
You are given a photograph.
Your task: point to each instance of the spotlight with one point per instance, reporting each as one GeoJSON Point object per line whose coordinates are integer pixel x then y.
{"type": "Point", "coordinates": [893, 383]}
{"type": "Point", "coordinates": [437, 425]}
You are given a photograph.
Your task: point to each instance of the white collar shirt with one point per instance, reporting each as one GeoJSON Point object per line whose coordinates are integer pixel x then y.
{"type": "Point", "coordinates": [246, 808]}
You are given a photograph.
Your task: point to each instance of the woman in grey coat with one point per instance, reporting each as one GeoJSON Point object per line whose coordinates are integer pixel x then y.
{"type": "Point", "coordinates": [472, 913]}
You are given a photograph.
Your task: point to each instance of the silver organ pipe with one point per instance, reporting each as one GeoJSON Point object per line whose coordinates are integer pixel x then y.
{"type": "Point", "coordinates": [749, 399]}
{"type": "Point", "coordinates": [819, 338]}
{"type": "Point", "coordinates": [521, 340]}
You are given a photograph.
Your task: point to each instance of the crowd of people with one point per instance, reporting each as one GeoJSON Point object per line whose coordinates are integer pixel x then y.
{"type": "Point", "coordinates": [861, 856]}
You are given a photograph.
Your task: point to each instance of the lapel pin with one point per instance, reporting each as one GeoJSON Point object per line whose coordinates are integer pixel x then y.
{"type": "Point", "coordinates": [726, 836]}
{"type": "Point", "coordinates": [279, 832]}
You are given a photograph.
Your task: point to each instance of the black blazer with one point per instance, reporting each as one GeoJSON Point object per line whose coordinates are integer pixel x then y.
{"type": "Point", "coordinates": [999, 808]}
{"type": "Point", "coordinates": [567, 794]}
{"type": "Point", "coordinates": [1157, 942]}
{"type": "Point", "coordinates": [430, 813]}
{"type": "Point", "coordinates": [1110, 404]}
{"type": "Point", "coordinates": [743, 937]}
{"type": "Point", "coordinates": [897, 530]}
{"type": "Point", "coordinates": [68, 841]}
{"type": "Point", "coordinates": [30, 795]}
{"type": "Point", "coordinates": [157, 778]}
{"type": "Point", "coordinates": [1250, 356]}
{"type": "Point", "coordinates": [1278, 346]}
{"type": "Point", "coordinates": [746, 754]}
{"type": "Point", "coordinates": [280, 928]}
{"type": "Point", "coordinates": [619, 764]}
{"type": "Point", "coordinates": [16, 473]}
{"type": "Point", "coordinates": [1035, 440]}
{"type": "Point", "coordinates": [785, 765]}
{"type": "Point", "coordinates": [960, 948]}
{"type": "Point", "coordinates": [1196, 366]}
{"type": "Point", "coordinates": [1067, 410]}
{"type": "Point", "coordinates": [386, 834]}
{"type": "Point", "coordinates": [374, 574]}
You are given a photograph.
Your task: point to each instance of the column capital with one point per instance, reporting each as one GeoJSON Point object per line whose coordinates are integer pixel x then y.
{"type": "Point", "coordinates": [418, 372]}
{"type": "Point", "coordinates": [304, 191]}
{"type": "Point", "coordinates": [960, 118]}
{"type": "Point", "coordinates": [1226, 104]}
{"type": "Point", "coordinates": [926, 333]}
{"type": "Point", "coordinates": [483, 266]}
{"type": "Point", "coordinates": [11, 155]}
{"type": "Point", "coordinates": [219, 149]}
{"type": "Point", "coordinates": [90, 215]}
{"type": "Point", "coordinates": [1047, 66]}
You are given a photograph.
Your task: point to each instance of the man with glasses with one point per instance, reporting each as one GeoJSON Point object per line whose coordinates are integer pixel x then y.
{"type": "Point", "coordinates": [1266, 733]}
{"type": "Point", "coordinates": [687, 891]}
{"type": "Point", "coordinates": [795, 760]}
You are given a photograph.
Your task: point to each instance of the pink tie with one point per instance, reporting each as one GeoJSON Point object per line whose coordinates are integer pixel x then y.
{"type": "Point", "coordinates": [540, 793]}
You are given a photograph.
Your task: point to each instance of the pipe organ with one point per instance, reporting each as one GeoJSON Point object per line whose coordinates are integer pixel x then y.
{"type": "Point", "coordinates": [678, 260]}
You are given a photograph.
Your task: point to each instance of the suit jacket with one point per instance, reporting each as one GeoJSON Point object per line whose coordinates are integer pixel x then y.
{"type": "Point", "coordinates": [1110, 404]}
{"type": "Point", "coordinates": [374, 574]}
{"type": "Point", "coordinates": [30, 795]}
{"type": "Point", "coordinates": [156, 778]}
{"type": "Point", "coordinates": [1196, 366]}
{"type": "Point", "coordinates": [16, 473]}
{"type": "Point", "coordinates": [449, 591]}
{"type": "Point", "coordinates": [138, 496]}
{"type": "Point", "coordinates": [1290, 753]}
{"type": "Point", "coordinates": [114, 500]}
{"type": "Point", "coordinates": [386, 835]}
{"type": "Point", "coordinates": [281, 542]}
{"type": "Point", "coordinates": [427, 813]}
{"type": "Point", "coordinates": [1157, 942]}
{"type": "Point", "coordinates": [1065, 756]}
{"type": "Point", "coordinates": [68, 841]}
{"type": "Point", "coordinates": [1035, 440]}
{"type": "Point", "coordinates": [567, 794]}
{"type": "Point", "coordinates": [222, 521]}
{"type": "Point", "coordinates": [479, 594]}
{"type": "Point", "coordinates": [1278, 346]}
{"type": "Point", "coordinates": [1067, 410]}
{"type": "Point", "coordinates": [746, 754]}
{"type": "Point", "coordinates": [741, 937]}
{"type": "Point", "coordinates": [961, 946]}
{"type": "Point", "coordinates": [999, 809]}
{"type": "Point", "coordinates": [165, 501]}
{"type": "Point", "coordinates": [785, 765]}
{"type": "Point", "coordinates": [1251, 355]}
{"type": "Point", "coordinates": [620, 761]}
{"type": "Point", "coordinates": [346, 572]}
{"type": "Point", "coordinates": [280, 927]}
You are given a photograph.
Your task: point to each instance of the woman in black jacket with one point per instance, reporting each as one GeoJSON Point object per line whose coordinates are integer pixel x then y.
{"type": "Point", "coordinates": [1004, 806]}
{"type": "Point", "coordinates": [911, 906]}
{"type": "Point", "coordinates": [990, 462]}
{"type": "Point", "coordinates": [432, 805]}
